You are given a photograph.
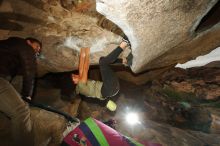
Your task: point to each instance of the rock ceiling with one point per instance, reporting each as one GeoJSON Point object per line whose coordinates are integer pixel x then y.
{"type": "Point", "coordinates": [162, 32]}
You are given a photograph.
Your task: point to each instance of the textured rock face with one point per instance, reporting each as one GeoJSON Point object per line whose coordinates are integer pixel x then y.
{"type": "Point", "coordinates": [203, 81]}
{"type": "Point", "coordinates": [162, 33]}
{"type": "Point", "coordinates": [63, 32]}
{"type": "Point", "coordinates": [158, 27]}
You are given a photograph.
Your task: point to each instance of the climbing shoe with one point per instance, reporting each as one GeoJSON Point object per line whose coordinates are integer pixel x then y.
{"type": "Point", "coordinates": [111, 105]}
{"type": "Point", "coordinates": [125, 39]}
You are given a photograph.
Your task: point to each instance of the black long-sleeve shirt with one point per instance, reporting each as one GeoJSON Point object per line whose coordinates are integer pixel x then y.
{"type": "Point", "coordinates": [18, 58]}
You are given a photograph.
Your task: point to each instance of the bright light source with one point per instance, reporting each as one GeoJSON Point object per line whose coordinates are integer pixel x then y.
{"type": "Point", "coordinates": [132, 118]}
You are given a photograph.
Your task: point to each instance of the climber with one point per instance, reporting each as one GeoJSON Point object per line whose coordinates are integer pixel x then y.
{"type": "Point", "coordinates": [109, 86]}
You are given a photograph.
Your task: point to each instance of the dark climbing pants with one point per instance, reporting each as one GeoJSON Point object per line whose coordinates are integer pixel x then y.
{"type": "Point", "coordinates": [12, 105]}
{"type": "Point", "coordinates": [110, 81]}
